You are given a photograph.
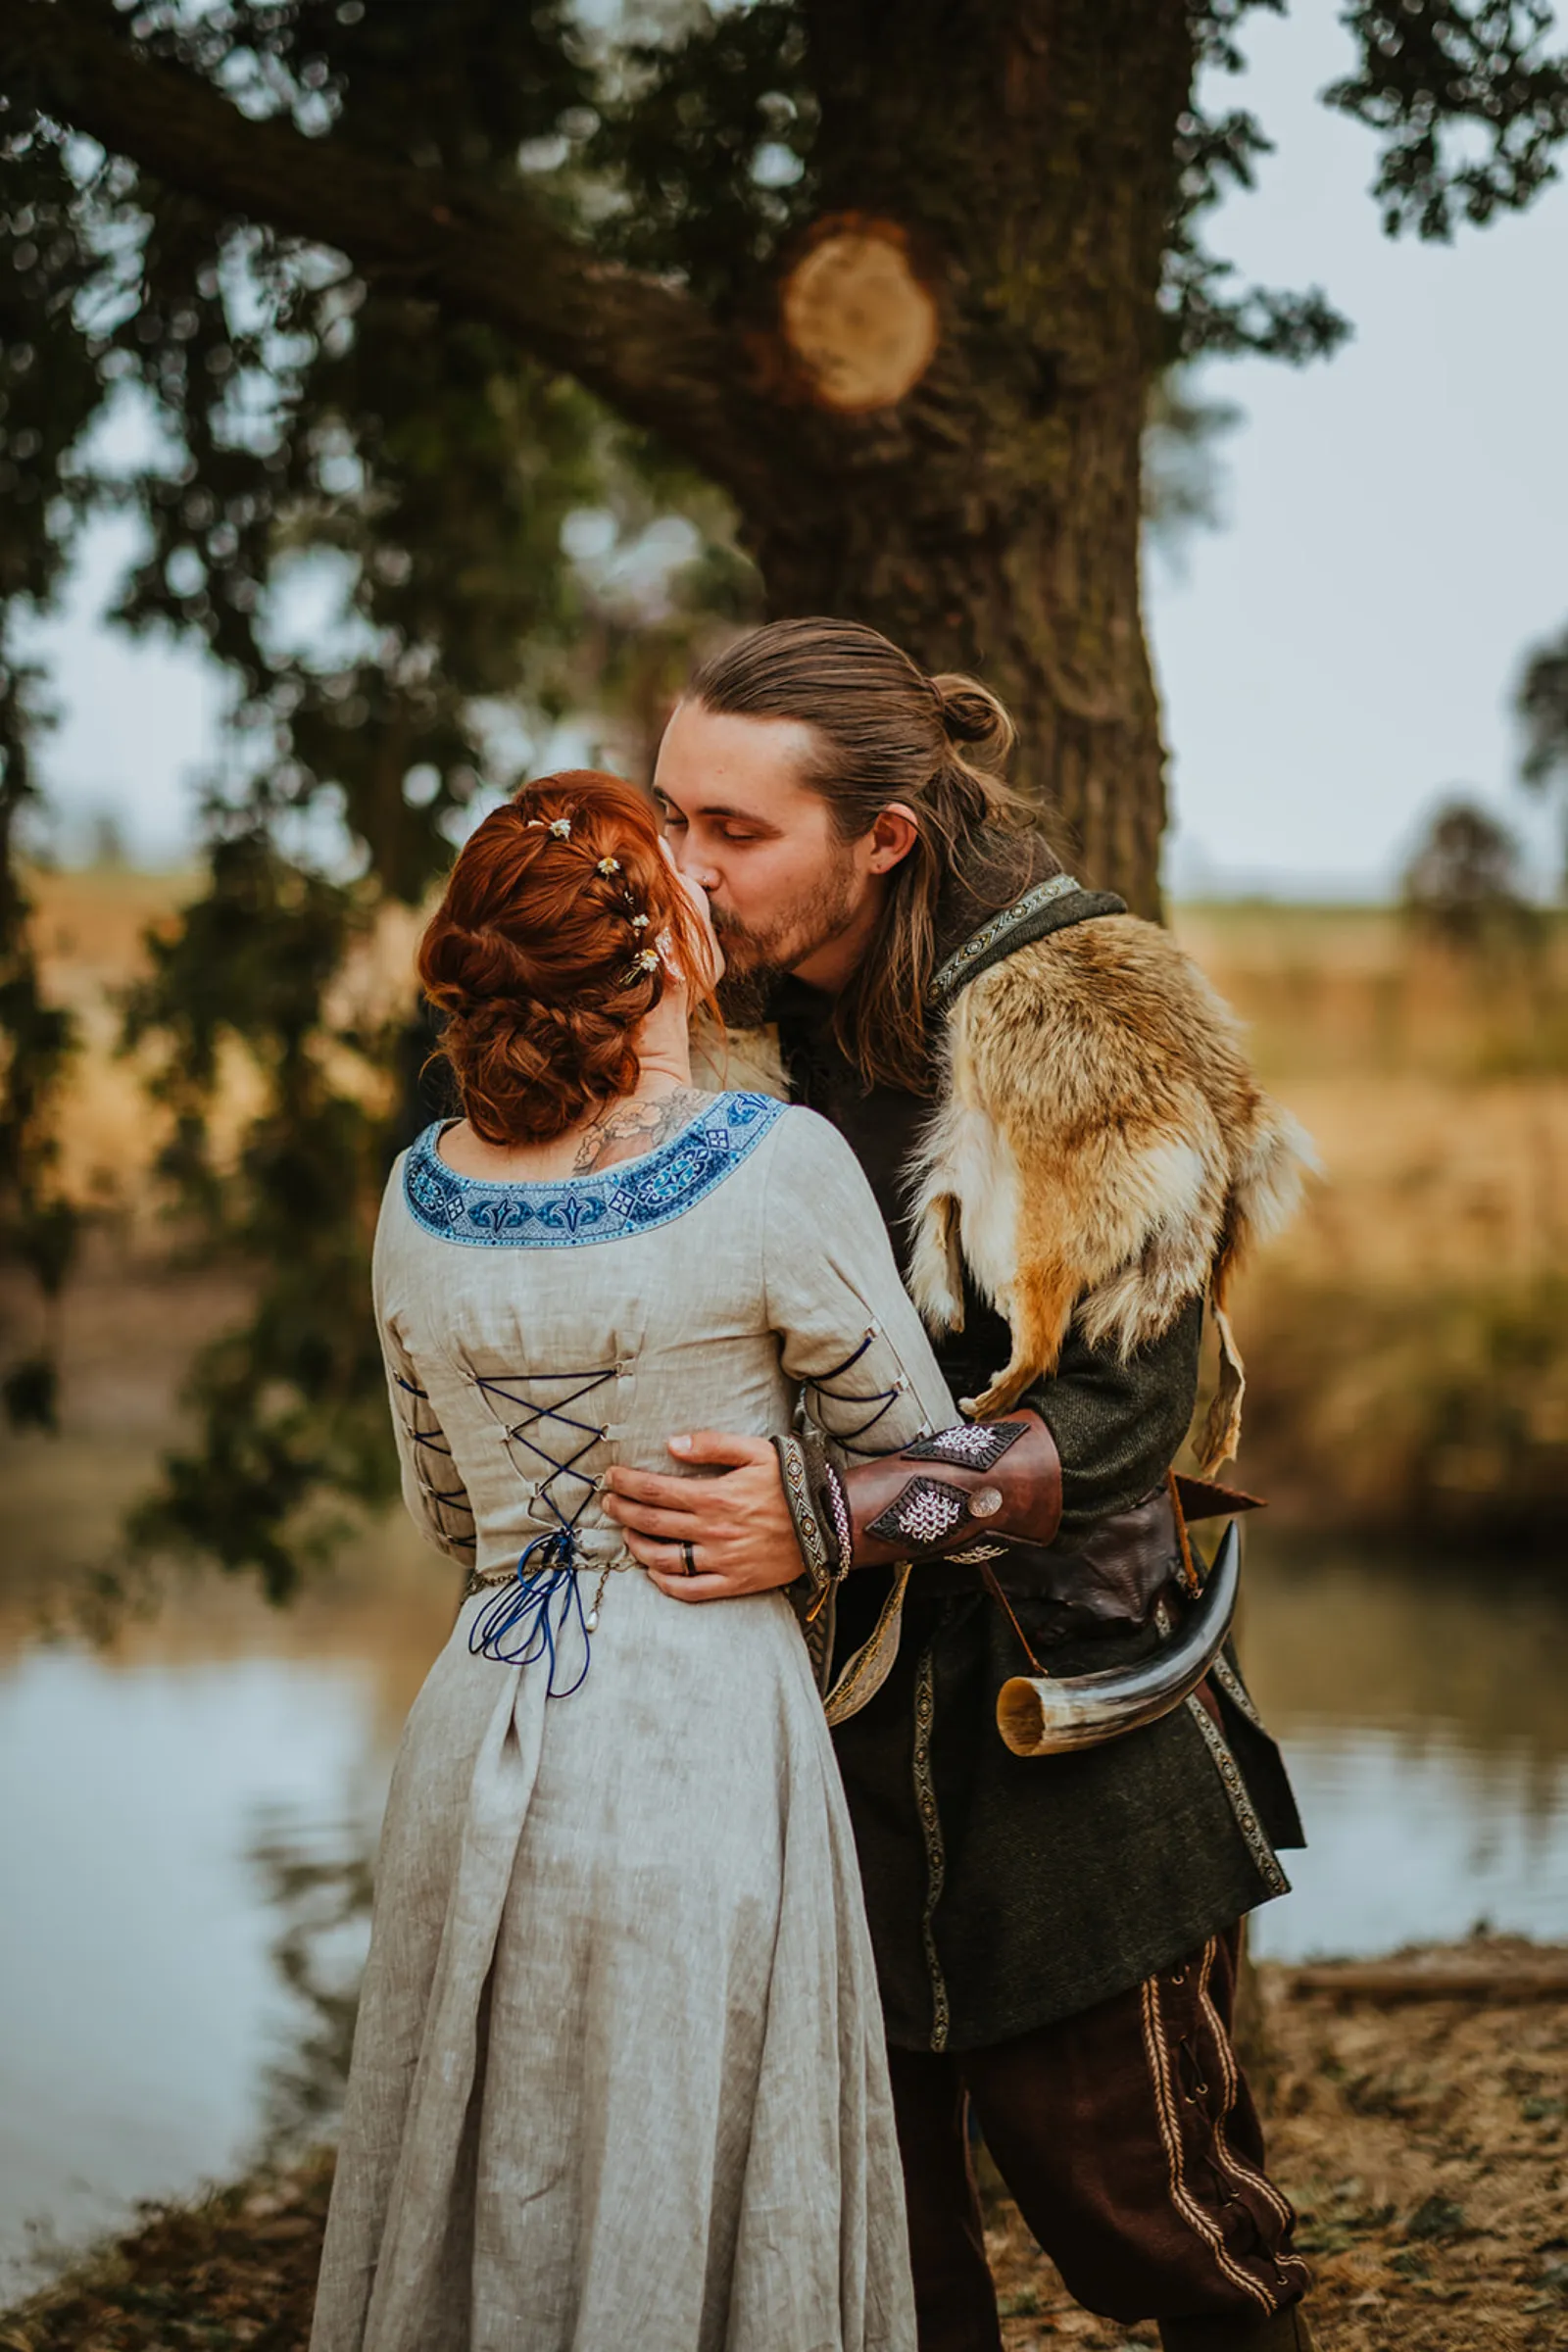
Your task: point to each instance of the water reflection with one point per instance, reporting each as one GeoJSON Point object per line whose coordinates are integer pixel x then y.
{"type": "Point", "coordinates": [316, 1882]}
{"type": "Point", "coordinates": [185, 1845]}
{"type": "Point", "coordinates": [1425, 1717]}
{"type": "Point", "coordinates": [144, 2010]}
{"type": "Point", "coordinates": [1417, 1839]}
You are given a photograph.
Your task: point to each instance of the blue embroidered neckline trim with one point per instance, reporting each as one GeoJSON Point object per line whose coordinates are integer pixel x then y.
{"type": "Point", "coordinates": [632, 1197]}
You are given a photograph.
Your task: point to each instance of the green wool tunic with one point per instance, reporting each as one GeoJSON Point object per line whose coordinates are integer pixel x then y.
{"type": "Point", "coordinates": [1006, 1892]}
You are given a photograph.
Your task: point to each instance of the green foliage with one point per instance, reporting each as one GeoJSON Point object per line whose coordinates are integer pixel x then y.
{"type": "Point", "coordinates": [706, 139]}
{"type": "Point", "coordinates": [1469, 107]}
{"type": "Point", "coordinates": [37, 1224]}
{"type": "Point", "coordinates": [49, 389]}
{"type": "Point", "coordinates": [312, 431]}
{"type": "Point", "coordinates": [1216, 153]}
{"type": "Point", "coordinates": [290, 1407]}
{"type": "Point", "coordinates": [1181, 474]}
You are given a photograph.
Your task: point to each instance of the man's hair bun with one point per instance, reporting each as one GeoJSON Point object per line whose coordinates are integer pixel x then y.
{"type": "Point", "coordinates": [560, 924]}
{"type": "Point", "coordinates": [972, 714]}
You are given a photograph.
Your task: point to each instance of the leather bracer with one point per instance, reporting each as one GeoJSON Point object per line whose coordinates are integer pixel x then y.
{"type": "Point", "coordinates": [978, 1486]}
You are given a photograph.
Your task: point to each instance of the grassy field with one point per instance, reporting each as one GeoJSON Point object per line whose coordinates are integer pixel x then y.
{"type": "Point", "coordinates": [1407, 1340]}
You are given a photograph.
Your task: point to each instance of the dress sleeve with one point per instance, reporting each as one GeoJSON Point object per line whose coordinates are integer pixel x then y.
{"type": "Point", "coordinates": [849, 1331]}
{"type": "Point", "coordinates": [433, 1492]}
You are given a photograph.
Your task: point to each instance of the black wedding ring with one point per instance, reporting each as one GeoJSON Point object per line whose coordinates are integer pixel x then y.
{"type": "Point", "coordinates": [690, 1558]}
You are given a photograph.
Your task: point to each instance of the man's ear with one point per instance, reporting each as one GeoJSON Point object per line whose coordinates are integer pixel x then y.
{"type": "Point", "coordinates": [894, 835]}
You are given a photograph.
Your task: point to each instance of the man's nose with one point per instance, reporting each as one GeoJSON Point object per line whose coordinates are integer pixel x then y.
{"type": "Point", "coordinates": [696, 867]}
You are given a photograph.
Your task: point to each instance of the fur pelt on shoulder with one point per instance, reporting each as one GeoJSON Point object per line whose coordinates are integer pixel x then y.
{"type": "Point", "coordinates": [1100, 1149]}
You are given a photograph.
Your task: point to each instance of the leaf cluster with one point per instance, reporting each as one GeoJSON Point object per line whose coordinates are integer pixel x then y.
{"type": "Point", "coordinates": [1216, 153]}
{"type": "Point", "coordinates": [38, 1226]}
{"type": "Point", "coordinates": [1469, 107]}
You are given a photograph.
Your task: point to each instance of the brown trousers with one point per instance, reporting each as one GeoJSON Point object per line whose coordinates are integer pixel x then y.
{"type": "Point", "coordinates": [1130, 2142]}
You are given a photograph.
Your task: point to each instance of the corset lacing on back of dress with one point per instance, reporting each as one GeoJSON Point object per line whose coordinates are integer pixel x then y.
{"type": "Point", "coordinates": [534, 1608]}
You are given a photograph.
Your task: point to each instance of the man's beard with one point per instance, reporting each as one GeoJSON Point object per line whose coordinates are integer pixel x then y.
{"type": "Point", "coordinates": [757, 962]}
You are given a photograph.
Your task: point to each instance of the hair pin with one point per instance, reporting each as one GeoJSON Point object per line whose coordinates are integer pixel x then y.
{"type": "Point", "coordinates": [647, 962]}
{"type": "Point", "coordinates": [608, 866]}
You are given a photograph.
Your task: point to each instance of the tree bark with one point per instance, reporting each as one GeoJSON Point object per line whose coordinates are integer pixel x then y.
{"type": "Point", "coordinates": [989, 521]}
{"type": "Point", "coordinates": [992, 521]}
{"type": "Point", "coordinates": [1048, 615]}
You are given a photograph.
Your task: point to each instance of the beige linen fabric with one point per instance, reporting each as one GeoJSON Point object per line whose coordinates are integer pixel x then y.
{"type": "Point", "coordinates": [619, 2077]}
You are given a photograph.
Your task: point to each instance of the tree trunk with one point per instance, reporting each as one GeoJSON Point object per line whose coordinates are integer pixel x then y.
{"type": "Point", "coordinates": [1047, 613]}
{"type": "Point", "coordinates": [991, 520]}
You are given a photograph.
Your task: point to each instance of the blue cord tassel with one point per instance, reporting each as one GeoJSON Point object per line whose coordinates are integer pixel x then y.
{"type": "Point", "coordinates": [528, 1617]}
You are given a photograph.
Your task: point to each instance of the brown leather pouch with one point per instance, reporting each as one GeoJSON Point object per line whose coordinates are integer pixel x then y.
{"type": "Point", "coordinates": [1111, 1581]}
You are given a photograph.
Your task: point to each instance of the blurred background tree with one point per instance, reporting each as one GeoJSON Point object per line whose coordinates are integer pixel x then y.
{"type": "Point", "coordinates": [519, 345]}
{"type": "Point", "coordinates": [1465, 884]}
{"type": "Point", "coordinates": [1542, 704]}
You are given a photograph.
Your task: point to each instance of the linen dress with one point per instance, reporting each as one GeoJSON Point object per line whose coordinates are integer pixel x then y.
{"type": "Point", "coordinates": [619, 2077]}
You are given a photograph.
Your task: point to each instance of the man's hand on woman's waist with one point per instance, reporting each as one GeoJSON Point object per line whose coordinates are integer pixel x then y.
{"type": "Point", "coordinates": [710, 1538]}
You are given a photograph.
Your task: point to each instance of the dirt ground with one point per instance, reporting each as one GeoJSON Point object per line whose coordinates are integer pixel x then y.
{"type": "Point", "coordinates": [1425, 2147]}
{"type": "Point", "coordinates": [1425, 2144]}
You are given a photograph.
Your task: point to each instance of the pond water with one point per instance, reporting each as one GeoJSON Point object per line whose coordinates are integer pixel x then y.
{"type": "Point", "coordinates": [188, 1816]}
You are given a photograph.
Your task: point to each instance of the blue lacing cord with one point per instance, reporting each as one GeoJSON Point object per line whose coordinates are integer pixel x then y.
{"type": "Point", "coordinates": [453, 1498]}
{"type": "Point", "coordinates": [883, 1398]}
{"type": "Point", "coordinates": [590, 1433]}
{"type": "Point", "coordinates": [528, 1616]}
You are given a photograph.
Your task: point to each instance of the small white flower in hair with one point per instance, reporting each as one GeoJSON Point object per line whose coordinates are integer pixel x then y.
{"type": "Point", "coordinates": [639, 922]}
{"type": "Point", "coordinates": [647, 962]}
{"type": "Point", "coordinates": [608, 866]}
{"type": "Point", "coordinates": [560, 827]}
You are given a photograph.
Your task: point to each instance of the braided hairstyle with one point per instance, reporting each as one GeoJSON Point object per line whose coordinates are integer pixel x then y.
{"type": "Point", "coordinates": [562, 925]}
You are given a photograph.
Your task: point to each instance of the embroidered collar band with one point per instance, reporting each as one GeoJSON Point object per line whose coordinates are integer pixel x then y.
{"type": "Point", "coordinates": [630, 1197]}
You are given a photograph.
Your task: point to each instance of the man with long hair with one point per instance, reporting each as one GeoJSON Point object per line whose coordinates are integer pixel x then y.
{"type": "Point", "coordinates": [1070, 1155]}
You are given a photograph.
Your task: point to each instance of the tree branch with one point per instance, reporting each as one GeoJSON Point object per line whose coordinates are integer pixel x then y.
{"type": "Point", "coordinates": [652, 352]}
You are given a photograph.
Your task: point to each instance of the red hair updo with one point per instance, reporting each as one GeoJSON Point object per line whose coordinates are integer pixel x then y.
{"type": "Point", "coordinates": [561, 924]}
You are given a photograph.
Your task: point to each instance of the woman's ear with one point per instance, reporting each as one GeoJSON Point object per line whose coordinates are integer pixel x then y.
{"type": "Point", "coordinates": [894, 834]}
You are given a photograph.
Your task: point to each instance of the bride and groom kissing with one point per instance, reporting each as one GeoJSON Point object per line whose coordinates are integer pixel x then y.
{"type": "Point", "coordinates": [778, 1430]}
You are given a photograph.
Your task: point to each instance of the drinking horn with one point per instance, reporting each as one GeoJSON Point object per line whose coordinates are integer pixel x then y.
{"type": "Point", "coordinates": [1051, 1715]}
{"type": "Point", "coordinates": [983, 1500]}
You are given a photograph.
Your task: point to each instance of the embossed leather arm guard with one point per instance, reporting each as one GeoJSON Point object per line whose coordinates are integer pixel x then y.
{"type": "Point", "coordinates": [980, 1484]}
{"type": "Point", "coordinates": [977, 1483]}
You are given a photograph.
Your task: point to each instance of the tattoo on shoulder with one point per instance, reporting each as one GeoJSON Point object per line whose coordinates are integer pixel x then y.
{"type": "Point", "coordinates": [636, 1128]}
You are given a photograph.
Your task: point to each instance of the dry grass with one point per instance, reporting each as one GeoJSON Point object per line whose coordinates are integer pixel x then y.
{"type": "Point", "coordinates": [1408, 1338]}
{"type": "Point", "coordinates": [1425, 2147]}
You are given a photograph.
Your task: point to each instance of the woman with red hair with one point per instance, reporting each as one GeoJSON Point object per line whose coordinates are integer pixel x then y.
{"type": "Point", "coordinates": [619, 2075]}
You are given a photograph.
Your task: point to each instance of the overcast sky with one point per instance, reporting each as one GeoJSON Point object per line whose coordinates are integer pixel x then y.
{"type": "Point", "coordinates": [1396, 534]}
